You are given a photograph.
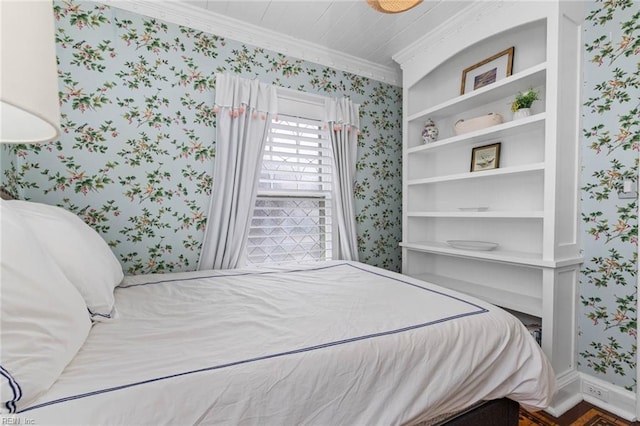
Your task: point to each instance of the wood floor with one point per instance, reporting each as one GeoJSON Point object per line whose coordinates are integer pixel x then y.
{"type": "Point", "coordinates": [568, 418]}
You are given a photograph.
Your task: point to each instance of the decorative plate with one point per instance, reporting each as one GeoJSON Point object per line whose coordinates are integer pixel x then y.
{"type": "Point", "coordinates": [472, 245]}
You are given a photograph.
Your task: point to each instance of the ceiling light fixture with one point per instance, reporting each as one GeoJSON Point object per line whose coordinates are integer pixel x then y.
{"type": "Point", "coordinates": [393, 6]}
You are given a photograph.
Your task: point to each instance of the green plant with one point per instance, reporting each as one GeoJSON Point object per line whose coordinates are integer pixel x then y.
{"type": "Point", "coordinates": [524, 100]}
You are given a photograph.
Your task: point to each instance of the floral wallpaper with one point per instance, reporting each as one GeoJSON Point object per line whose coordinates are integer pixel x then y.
{"type": "Point", "coordinates": [136, 157]}
{"type": "Point", "coordinates": [611, 143]}
{"type": "Point", "coordinates": [137, 152]}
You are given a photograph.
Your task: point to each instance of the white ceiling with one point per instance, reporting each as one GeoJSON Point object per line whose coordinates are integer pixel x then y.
{"type": "Point", "coordinates": [347, 26]}
{"type": "Point", "coordinates": [346, 34]}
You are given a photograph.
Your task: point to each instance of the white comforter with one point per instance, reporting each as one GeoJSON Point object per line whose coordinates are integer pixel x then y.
{"type": "Point", "coordinates": [337, 343]}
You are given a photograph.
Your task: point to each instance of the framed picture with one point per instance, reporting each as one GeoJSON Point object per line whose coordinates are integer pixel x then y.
{"type": "Point", "coordinates": [485, 157]}
{"type": "Point", "coordinates": [488, 71]}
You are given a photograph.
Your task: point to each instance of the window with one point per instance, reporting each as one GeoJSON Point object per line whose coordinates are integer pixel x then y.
{"type": "Point", "coordinates": [292, 220]}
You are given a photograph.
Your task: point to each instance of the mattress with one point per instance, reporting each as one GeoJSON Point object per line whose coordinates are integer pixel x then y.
{"type": "Point", "coordinates": [325, 343]}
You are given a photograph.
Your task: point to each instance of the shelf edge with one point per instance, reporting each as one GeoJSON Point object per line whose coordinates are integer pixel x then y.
{"type": "Point", "coordinates": [533, 214]}
{"type": "Point", "coordinates": [513, 258]}
{"type": "Point", "coordinates": [480, 174]}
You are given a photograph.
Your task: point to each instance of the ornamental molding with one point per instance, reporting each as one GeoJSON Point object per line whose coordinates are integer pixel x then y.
{"type": "Point", "coordinates": [204, 20]}
{"type": "Point", "coordinates": [468, 16]}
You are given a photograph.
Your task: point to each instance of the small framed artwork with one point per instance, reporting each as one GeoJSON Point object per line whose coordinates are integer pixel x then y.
{"type": "Point", "coordinates": [485, 157]}
{"type": "Point", "coordinates": [488, 71]}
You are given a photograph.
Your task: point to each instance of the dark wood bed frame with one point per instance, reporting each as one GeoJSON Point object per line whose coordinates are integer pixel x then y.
{"type": "Point", "coordinates": [497, 412]}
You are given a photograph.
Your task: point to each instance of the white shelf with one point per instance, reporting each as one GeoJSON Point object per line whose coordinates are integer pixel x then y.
{"type": "Point", "coordinates": [503, 130]}
{"type": "Point", "coordinates": [504, 298]}
{"type": "Point", "coordinates": [498, 255]}
{"type": "Point", "coordinates": [534, 76]}
{"type": "Point", "coordinates": [526, 168]}
{"type": "Point", "coordinates": [533, 260]}
{"type": "Point", "coordinates": [503, 214]}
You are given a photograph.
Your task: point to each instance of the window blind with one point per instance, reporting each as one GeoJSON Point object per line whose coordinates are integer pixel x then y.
{"type": "Point", "coordinates": [292, 219]}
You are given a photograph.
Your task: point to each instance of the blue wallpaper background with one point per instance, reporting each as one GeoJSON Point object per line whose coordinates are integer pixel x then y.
{"type": "Point", "coordinates": [607, 342]}
{"type": "Point", "coordinates": [136, 157]}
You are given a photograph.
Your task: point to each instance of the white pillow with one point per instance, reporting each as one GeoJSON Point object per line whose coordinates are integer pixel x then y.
{"type": "Point", "coordinates": [44, 319]}
{"type": "Point", "coordinates": [82, 254]}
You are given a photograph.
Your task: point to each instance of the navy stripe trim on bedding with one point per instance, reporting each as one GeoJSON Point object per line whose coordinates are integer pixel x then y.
{"type": "Point", "coordinates": [98, 314]}
{"type": "Point", "coordinates": [480, 310]}
{"type": "Point", "coordinates": [15, 388]}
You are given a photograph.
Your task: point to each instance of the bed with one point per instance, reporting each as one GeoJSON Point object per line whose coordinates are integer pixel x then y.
{"type": "Point", "coordinates": [326, 343]}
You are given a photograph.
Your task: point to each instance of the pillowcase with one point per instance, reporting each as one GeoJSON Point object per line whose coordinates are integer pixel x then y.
{"type": "Point", "coordinates": [81, 253]}
{"type": "Point", "coordinates": [44, 319]}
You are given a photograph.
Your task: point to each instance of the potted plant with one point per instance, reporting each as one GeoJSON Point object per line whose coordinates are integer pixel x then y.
{"type": "Point", "coordinates": [521, 107]}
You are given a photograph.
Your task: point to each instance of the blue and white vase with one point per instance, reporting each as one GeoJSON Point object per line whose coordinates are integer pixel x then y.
{"type": "Point", "coordinates": [430, 131]}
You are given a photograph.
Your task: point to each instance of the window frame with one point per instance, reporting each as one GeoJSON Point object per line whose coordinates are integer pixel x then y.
{"type": "Point", "coordinates": [302, 107]}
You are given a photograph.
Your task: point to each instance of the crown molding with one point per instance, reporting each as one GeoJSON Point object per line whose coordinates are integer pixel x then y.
{"type": "Point", "coordinates": [479, 21]}
{"type": "Point", "coordinates": [476, 11]}
{"type": "Point", "coordinates": [204, 20]}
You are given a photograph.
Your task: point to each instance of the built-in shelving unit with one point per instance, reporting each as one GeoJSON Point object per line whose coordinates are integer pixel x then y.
{"type": "Point", "coordinates": [529, 204]}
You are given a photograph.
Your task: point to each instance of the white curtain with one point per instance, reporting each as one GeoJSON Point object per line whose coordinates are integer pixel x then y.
{"type": "Point", "coordinates": [244, 109]}
{"type": "Point", "coordinates": [343, 122]}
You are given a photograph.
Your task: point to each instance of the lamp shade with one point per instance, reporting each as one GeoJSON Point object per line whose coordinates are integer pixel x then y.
{"type": "Point", "coordinates": [393, 6]}
{"type": "Point", "coordinates": [29, 107]}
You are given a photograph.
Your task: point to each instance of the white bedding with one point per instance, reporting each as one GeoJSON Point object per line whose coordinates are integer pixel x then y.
{"type": "Point", "coordinates": [329, 344]}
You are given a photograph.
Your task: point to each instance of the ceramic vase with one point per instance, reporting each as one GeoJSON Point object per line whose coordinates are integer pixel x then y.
{"type": "Point", "coordinates": [430, 131]}
{"type": "Point", "coordinates": [522, 113]}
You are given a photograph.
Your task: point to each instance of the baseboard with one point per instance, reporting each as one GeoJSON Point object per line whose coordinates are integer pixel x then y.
{"type": "Point", "coordinates": [618, 401]}
{"type": "Point", "coordinates": [568, 394]}
{"type": "Point", "coordinates": [572, 388]}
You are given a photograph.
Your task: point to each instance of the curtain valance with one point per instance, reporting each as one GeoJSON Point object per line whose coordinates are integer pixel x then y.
{"type": "Point", "coordinates": [240, 96]}
{"type": "Point", "coordinates": [342, 112]}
